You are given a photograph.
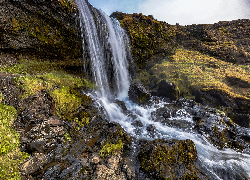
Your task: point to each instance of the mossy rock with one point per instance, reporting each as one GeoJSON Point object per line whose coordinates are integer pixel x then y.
{"type": "Point", "coordinates": [173, 159]}
{"type": "Point", "coordinates": [10, 154]}
{"type": "Point", "coordinates": [46, 29]}
{"type": "Point", "coordinates": [138, 94]}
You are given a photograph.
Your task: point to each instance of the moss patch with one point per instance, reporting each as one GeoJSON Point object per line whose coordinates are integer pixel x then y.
{"type": "Point", "coordinates": [162, 159]}
{"type": "Point", "coordinates": [111, 149]}
{"type": "Point", "coordinates": [66, 103]}
{"type": "Point", "coordinates": [61, 87]}
{"type": "Point", "coordinates": [10, 154]}
{"type": "Point", "coordinates": [32, 67]}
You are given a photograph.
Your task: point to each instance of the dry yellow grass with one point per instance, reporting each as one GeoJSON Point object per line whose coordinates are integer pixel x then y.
{"type": "Point", "coordinates": [191, 69]}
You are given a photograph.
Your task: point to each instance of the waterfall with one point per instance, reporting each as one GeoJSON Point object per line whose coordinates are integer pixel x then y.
{"type": "Point", "coordinates": [117, 44]}
{"type": "Point", "coordinates": [107, 47]}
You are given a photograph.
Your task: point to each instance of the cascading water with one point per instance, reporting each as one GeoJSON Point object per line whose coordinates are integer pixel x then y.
{"type": "Point", "coordinates": [216, 164]}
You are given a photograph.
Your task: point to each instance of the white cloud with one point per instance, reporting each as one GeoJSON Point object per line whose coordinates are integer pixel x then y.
{"type": "Point", "coordinates": [196, 11]}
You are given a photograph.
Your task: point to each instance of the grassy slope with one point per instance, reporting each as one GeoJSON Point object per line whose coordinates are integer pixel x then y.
{"type": "Point", "coordinates": [205, 57]}
{"type": "Point", "coordinates": [194, 70]}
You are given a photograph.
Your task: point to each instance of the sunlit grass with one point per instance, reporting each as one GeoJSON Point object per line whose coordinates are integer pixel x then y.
{"type": "Point", "coordinates": [10, 154]}
{"type": "Point", "coordinates": [191, 69]}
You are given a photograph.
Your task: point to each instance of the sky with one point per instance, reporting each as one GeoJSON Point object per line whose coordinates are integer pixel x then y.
{"type": "Point", "coordinates": [184, 12]}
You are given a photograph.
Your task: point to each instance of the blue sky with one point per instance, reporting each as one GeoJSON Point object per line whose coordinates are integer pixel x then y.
{"type": "Point", "coordinates": [180, 11]}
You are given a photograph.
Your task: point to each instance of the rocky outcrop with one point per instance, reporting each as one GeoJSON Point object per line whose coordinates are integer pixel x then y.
{"type": "Point", "coordinates": [176, 53]}
{"type": "Point", "coordinates": [44, 29]}
{"type": "Point", "coordinates": [162, 159]}
{"type": "Point", "coordinates": [138, 94]}
{"type": "Point", "coordinates": [238, 109]}
{"type": "Point", "coordinates": [34, 164]}
{"type": "Point", "coordinates": [167, 90]}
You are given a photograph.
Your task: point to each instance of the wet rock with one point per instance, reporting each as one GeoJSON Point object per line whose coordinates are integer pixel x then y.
{"type": "Point", "coordinates": [34, 164]}
{"type": "Point", "coordinates": [238, 108]}
{"type": "Point", "coordinates": [122, 105]}
{"type": "Point", "coordinates": [137, 123]}
{"type": "Point", "coordinates": [113, 162]}
{"type": "Point", "coordinates": [103, 173]}
{"type": "Point", "coordinates": [173, 159]}
{"type": "Point", "coordinates": [138, 94]}
{"type": "Point", "coordinates": [37, 108]}
{"type": "Point", "coordinates": [220, 130]}
{"type": "Point", "coordinates": [128, 168]}
{"type": "Point", "coordinates": [168, 90]}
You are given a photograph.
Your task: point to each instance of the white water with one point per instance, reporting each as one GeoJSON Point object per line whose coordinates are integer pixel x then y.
{"type": "Point", "coordinates": [216, 164]}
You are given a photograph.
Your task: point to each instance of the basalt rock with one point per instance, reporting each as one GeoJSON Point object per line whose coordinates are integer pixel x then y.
{"type": "Point", "coordinates": [174, 159]}
{"type": "Point", "coordinates": [138, 94]}
{"type": "Point", "coordinates": [40, 28]}
{"type": "Point", "coordinates": [238, 108]}
{"type": "Point", "coordinates": [167, 90]}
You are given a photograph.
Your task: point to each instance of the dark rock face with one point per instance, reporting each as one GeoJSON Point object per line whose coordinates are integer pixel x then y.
{"type": "Point", "coordinates": [138, 94]}
{"type": "Point", "coordinates": [238, 109]}
{"type": "Point", "coordinates": [162, 159]}
{"type": "Point", "coordinates": [40, 28]}
{"type": "Point", "coordinates": [168, 90]}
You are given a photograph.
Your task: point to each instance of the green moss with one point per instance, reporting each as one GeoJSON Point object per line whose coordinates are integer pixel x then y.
{"type": "Point", "coordinates": [68, 5]}
{"type": "Point", "coordinates": [160, 159]}
{"type": "Point", "coordinates": [32, 67]}
{"type": "Point", "coordinates": [61, 87]}
{"type": "Point", "coordinates": [15, 24]}
{"type": "Point", "coordinates": [10, 154]}
{"type": "Point", "coordinates": [31, 84]}
{"type": "Point", "coordinates": [67, 136]}
{"type": "Point", "coordinates": [66, 103]}
{"type": "Point", "coordinates": [111, 149]}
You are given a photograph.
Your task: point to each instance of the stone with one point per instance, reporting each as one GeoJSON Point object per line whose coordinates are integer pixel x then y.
{"type": "Point", "coordinates": [168, 90]}
{"type": "Point", "coordinates": [114, 161]}
{"type": "Point", "coordinates": [138, 94]}
{"type": "Point", "coordinates": [104, 173]}
{"type": "Point", "coordinates": [54, 121]}
{"type": "Point", "coordinates": [162, 159]}
{"type": "Point", "coordinates": [34, 164]}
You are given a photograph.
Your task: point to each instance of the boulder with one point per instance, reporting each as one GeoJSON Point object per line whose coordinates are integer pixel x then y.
{"type": "Point", "coordinates": [34, 164]}
{"type": "Point", "coordinates": [168, 90]}
{"type": "Point", "coordinates": [238, 109]}
{"type": "Point", "coordinates": [169, 159]}
{"type": "Point", "coordinates": [138, 94]}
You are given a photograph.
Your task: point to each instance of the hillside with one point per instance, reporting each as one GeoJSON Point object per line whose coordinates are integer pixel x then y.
{"type": "Point", "coordinates": [208, 62]}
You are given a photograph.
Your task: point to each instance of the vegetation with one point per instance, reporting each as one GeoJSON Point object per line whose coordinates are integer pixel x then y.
{"type": "Point", "coordinates": [32, 67]}
{"type": "Point", "coordinates": [148, 36]}
{"type": "Point", "coordinates": [111, 149]}
{"type": "Point", "coordinates": [10, 154]}
{"type": "Point", "coordinates": [66, 103]}
{"type": "Point", "coordinates": [160, 159]}
{"type": "Point", "coordinates": [60, 87]}
{"type": "Point", "coordinates": [193, 70]}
